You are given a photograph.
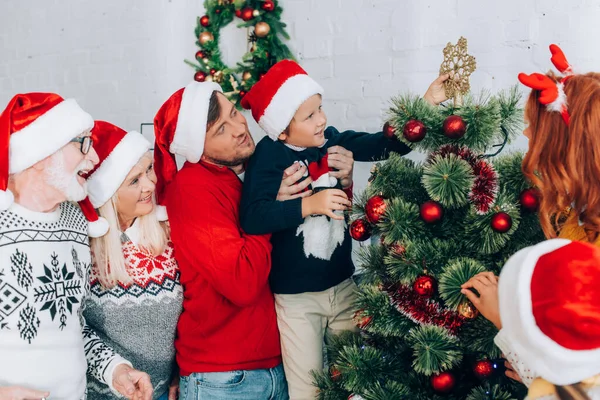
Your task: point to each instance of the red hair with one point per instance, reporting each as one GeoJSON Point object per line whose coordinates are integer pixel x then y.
{"type": "Point", "coordinates": [563, 161]}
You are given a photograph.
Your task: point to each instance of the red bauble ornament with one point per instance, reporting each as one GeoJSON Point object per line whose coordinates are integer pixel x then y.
{"type": "Point", "coordinates": [454, 127]}
{"type": "Point", "coordinates": [200, 55]}
{"type": "Point", "coordinates": [238, 13]}
{"type": "Point", "coordinates": [501, 222]}
{"type": "Point", "coordinates": [218, 11]}
{"type": "Point", "coordinates": [397, 249]}
{"type": "Point", "coordinates": [360, 230]}
{"type": "Point", "coordinates": [483, 369]}
{"type": "Point", "coordinates": [389, 131]}
{"type": "Point", "coordinates": [431, 211]}
{"type": "Point", "coordinates": [425, 286]}
{"type": "Point", "coordinates": [362, 321]}
{"type": "Point", "coordinates": [212, 71]}
{"type": "Point", "coordinates": [335, 373]}
{"type": "Point", "coordinates": [200, 76]}
{"type": "Point", "coordinates": [247, 14]}
{"type": "Point", "coordinates": [268, 5]}
{"type": "Point", "coordinates": [414, 131]}
{"type": "Point", "coordinates": [443, 383]}
{"type": "Point", "coordinates": [375, 208]}
{"type": "Point", "coordinates": [242, 93]}
{"type": "Point", "coordinates": [204, 21]}
{"type": "Point", "coordinates": [530, 199]}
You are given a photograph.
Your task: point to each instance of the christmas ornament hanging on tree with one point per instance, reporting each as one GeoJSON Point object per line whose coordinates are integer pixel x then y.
{"type": "Point", "coordinates": [425, 286]}
{"type": "Point", "coordinates": [501, 222]}
{"type": "Point", "coordinates": [389, 131]}
{"type": "Point", "coordinates": [204, 21]}
{"type": "Point", "coordinates": [262, 29]}
{"type": "Point", "coordinates": [414, 131]}
{"type": "Point", "coordinates": [268, 5]}
{"type": "Point", "coordinates": [443, 382]}
{"type": "Point", "coordinates": [200, 55]}
{"type": "Point", "coordinates": [362, 321]}
{"type": "Point", "coordinates": [483, 369]}
{"type": "Point", "coordinates": [205, 37]}
{"type": "Point", "coordinates": [335, 373]}
{"type": "Point", "coordinates": [461, 65]}
{"type": "Point", "coordinates": [431, 212]}
{"type": "Point", "coordinates": [375, 209]}
{"type": "Point", "coordinates": [530, 199]}
{"type": "Point", "coordinates": [360, 230]}
{"type": "Point", "coordinates": [397, 249]}
{"type": "Point", "coordinates": [247, 14]}
{"type": "Point", "coordinates": [454, 127]}
{"type": "Point", "coordinates": [199, 76]}
{"type": "Point", "coordinates": [468, 310]}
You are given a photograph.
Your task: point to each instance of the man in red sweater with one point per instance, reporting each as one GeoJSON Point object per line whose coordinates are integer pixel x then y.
{"type": "Point", "coordinates": [228, 341]}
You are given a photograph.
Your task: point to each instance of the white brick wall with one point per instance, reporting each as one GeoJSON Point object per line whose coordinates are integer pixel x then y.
{"type": "Point", "coordinates": [122, 58]}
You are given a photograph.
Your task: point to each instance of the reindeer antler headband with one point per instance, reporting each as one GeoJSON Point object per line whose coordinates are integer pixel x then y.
{"type": "Point", "coordinates": [552, 93]}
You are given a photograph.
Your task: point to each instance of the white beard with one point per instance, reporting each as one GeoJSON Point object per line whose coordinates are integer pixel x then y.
{"type": "Point", "coordinates": [66, 182]}
{"type": "Point", "coordinates": [321, 237]}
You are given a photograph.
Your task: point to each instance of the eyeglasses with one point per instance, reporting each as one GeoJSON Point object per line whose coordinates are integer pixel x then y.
{"type": "Point", "coordinates": [86, 143]}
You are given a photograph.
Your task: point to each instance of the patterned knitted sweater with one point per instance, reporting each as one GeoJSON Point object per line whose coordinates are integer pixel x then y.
{"type": "Point", "coordinates": [44, 278]}
{"type": "Point", "coordinates": [138, 321]}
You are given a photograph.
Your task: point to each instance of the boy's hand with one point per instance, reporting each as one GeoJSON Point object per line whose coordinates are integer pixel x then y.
{"type": "Point", "coordinates": [343, 161]}
{"type": "Point", "coordinates": [325, 203]}
{"type": "Point", "coordinates": [436, 93]}
{"type": "Point", "coordinates": [486, 284]}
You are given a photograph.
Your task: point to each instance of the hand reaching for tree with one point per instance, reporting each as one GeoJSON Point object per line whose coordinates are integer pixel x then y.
{"type": "Point", "coordinates": [486, 284]}
{"type": "Point", "coordinates": [436, 93]}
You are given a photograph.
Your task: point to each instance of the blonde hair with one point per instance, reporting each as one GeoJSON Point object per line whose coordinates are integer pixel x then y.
{"type": "Point", "coordinates": [108, 249]}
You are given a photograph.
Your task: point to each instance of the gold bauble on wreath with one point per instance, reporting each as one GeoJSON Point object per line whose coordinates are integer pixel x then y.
{"type": "Point", "coordinates": [205, 37]}
{"type": "Point", "coordinates": [468, 310]}
{"type": "Point", "coordinates": [246, 76]}
{"type": "Point", "coordinates": [262, 29]}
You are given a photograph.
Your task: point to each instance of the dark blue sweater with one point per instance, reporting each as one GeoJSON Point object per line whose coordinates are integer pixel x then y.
{"type": "Point", "coordinates": [292, 272]}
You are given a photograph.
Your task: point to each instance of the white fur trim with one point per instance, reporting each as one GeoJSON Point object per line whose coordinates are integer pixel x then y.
{"type": "Point", "coordinates": [98, 228]}
{"type": "Point", "coordinates": [551, 361]}
{"type": "Point", "coordinates": [561, 101]}
{"type": "Point", "coordinates": [6, 199]}
{"type": "Point", "coordinates": [286, 102]}
{"type": "Point", "coordinates": [161, 213]}
{"type": "Point", "coordinates": [321, 236]}
{"type": "Point", "coordinates": [188, 140]}
{"type": "Point", "coordinates": [106, 180]}
{"type": "Point", "coordinates": [47, 134]}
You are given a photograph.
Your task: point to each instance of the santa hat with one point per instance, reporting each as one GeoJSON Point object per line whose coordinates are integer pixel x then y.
{"type": "Point", "coordinates": [34, 126]}
{"type": "Point", "coordinates": [180, 128]}
{"type": "Point", "coordinates": [276, 97]}
{"type": "Point", "coordinates": [118, 151]}
{"type": "Point", "coordinates": [550, 309]}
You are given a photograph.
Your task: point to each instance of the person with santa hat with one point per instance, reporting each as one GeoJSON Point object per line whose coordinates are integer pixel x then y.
{"type": "Point", "coordinates": [44, 248]}
{"type": "Point", "coordinates": [227, 338]}
{"type": "Point", "coordinates": [546, 304]}
{"type": "Point", "coordinates": [136, 296]}
{"type": "Point", "coordinates": [312, 267]}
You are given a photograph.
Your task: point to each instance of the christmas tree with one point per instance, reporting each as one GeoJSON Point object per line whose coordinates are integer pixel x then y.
{"type": "Point", "coordinates": [466, 209]}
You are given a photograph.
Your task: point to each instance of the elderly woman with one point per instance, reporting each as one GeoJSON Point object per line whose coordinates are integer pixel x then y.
{"type": "Point", "coordinates": [135, 296]}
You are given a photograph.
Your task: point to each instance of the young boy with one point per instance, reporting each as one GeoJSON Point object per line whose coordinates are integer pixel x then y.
{"type": "Point", "coordinates": [311, 257]}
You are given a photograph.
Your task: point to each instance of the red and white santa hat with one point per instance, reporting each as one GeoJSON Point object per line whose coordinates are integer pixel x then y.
{"type": "Point", "coordinates": [180, 129]}
{"type": "Point", "coordinates": [276, 97]}
{"type": "Point", "coordinates": [34, 126]}
{"type": "Point", "coordinates": [550, 309]}
{"type": "Point", "coordinates": [119, 151]}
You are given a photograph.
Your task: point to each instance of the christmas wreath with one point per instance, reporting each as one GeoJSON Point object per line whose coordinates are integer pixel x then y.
{"type": "Point", "coordinates": [266, 32]}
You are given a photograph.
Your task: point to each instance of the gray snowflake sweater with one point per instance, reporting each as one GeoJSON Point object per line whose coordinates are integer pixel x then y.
{"type": "Point", "coordinates": [138, 321]}
{"type": "Point", "coordinates": [44, 279]}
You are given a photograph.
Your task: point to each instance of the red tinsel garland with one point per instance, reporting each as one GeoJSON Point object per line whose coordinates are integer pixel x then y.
{"type": "Point", "coordinates": [485, 187]}
{"type": "Point", "coordinates": [422, 310]}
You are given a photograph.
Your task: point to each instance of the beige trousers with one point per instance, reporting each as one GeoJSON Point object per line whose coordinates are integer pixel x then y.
{"type": "Point", "coordinates": [303, 321]}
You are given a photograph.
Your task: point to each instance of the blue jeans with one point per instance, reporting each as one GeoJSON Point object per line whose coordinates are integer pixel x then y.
{"type": "Point", "coordinates": [259, 384]}
{"type": "Point", "coordinates": [165, 396]}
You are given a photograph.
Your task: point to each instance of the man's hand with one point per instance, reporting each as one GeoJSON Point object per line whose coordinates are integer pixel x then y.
{"type": "Point", "coordinates": [174, 388]}
{"type": "Point", "coordinates": [486, 284]}
{"type": "Point", "coordinates": [21, 393]}
{"type": "Point", "coordinates": [436, 93]}
{"type": "Point", "coordinates": [343, 161]}
{"type": "Point", "coordinates": [290, 188]}
{"type": "Point", "coordinates": [131, 383]}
